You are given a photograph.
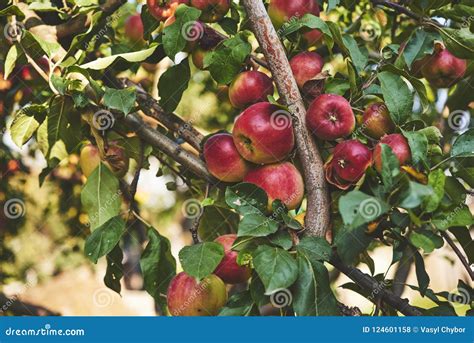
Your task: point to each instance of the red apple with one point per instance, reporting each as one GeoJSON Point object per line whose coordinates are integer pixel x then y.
{"type": "Point", "coordinates": [442, 69]}
{"type": "Point", "coordinates": [399, 145]}
{"type": "Point", "coordinates": [281, 181]}
{"type": "Point", "coordinates": [223, 160]}
{"type": "Point", "coordinates": [376, 120]}
{"type": "Point", "coordinates": [312, 37]}
{"type": "Point", "coordinates": [228, 270]}
{"type": "Point", "coordinates": [134, 28]}
{"type": "Point", "coordinates": [209, 40]}
{"type": "Point", "coordinates": [212, 10]}
{"type": "Point", "coordinates": [330, 117]}
{"type": "Point", "coordinates": [188, 297]}
{"type": "Point", "coordinates": [305, 66]}
{"type": "Point", "coordinates": [263, 133]}
{"type": "Point", "coordinates": [347, 164]}
{"type": "Point", "coordinates": [163, 9]}
{"type": "Point", "coordinates": [249, 88]}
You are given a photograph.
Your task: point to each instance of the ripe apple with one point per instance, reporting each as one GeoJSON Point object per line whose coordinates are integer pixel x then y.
{"type": "Point", "coordinates": [376, 120]}
{"type": "Point", "coordinates": [281, 181]}
{"type": "Point", "coordinates": [188, 297]}
{"type": "Point", "coordinates": [305, 66]}
{"type": "Point", "coordinates": [223, 160]}
{"type": "Point", "coordinates": [442, 69]}
{"type": "Point", "coordinates": [330, 117]}
{"type": "Point", "coordinates": [347, 164]}
{"type": "Point", "coordinates": [399, 145]}
{"type": "Point", "coordinates": [163, 9]}
{"type": "Point", "coordinates": [249, 88]}
{"type": "Point", "coordinates": [228, 270]}
{"type": "Point", "coordinates": [209, 40]}
{"type": "Point", "coordinates": [134, 28]}
{"type": "Point", "coordinates": [263, 133]}
{"type": "Point", "coordinates": [89, 159]}
{"type": "Point", "coordinates": [212, 10]}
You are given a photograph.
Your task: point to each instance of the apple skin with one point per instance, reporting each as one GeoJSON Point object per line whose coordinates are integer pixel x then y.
{"type": "Point", "coordinates": [228, 270]}
{"type": "Point", "coordinates": [163, 9]}
{"type": "Point", "coordinates": [188, 297]}
{"type": "Point", "coordinates": [89, 159]}
{"type": "Point", "coordinates": [376, 120]}
{"type": "Point", "coordinates": [134, 28]}
{"type": "Point", "coordinates": [281, 181]}
{"type": "Point", "coordinates": [212, 10]}
{"type": "Point", "coordinates": [442, 69]}
{"type": "Point", "coordinates": [305, 66]}
{"type": "Point", "coordinates": [347, 164]}
{"type": "Point", "coordinates": [330, 117]}
{"type": "Point", "coordinates": [116, 159]}
{"type": "Point", "coordinates": [249, 88]}
{"type": "Point", "coordinates": [263, 133]}
{"type": "Point", "coordinates": [197, 56]}
{"type": "Point", "coordinates": [223, 160]}
{"type": "Point", "coordinates": [399, 145]}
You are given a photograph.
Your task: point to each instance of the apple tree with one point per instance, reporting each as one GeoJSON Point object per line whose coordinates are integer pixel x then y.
{"type": "Point", "coordinates": [349, 128]}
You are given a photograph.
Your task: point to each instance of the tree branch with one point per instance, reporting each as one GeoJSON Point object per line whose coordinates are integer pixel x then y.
{"type": "Point", "coordinates": [317, 218]}
{"type": "Point", "coordinates": [171, 121]}
{"type": "Point", "coordinates": [459, 254]}
{"type": "Point", "coordinates": [21, 308]}
{"type": "Point", "coordinates": [367, 282]}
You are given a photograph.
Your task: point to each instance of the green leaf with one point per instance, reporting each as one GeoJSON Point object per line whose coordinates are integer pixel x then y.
{"type": "Point", "coordinates": [390, 167]}
{"type": "Point", "coordinates": [464, 238]}
{"type": "Point", "coordinates": [398, 97]}
{"type": "Point", "coordinates": [312, 295]}
{"type": "Point", "coordinates": [310, 21]}
{"type": "Point", "coordinates": [437, 180]}
{"type": "Point", "coordinates": [133, 57]}
{"type": "Point", "coordinates": [414, 195]}
{"type": "Point", "coordinates": [420, 44]}
{"type": "Point", "coordinates": [418, 145]}
{"type": "Point", "coordinates": [351, 242]}
{"type": "Point", "coordinates": [103, 239]}
{"type": "Point", "coordinates": [257, 291]}
{"type": "Point", "coordinates": [122, 100]}
{"type": "Point", "coordinates": [246, 198]}
{"type": "Point", "coordinates": [460, 42]}
{"type": "Point", "coordinates": [421, 275]}
{"type": "Point", "coordinates": [114, 272]}
{"type": "Point", "coordinates": [100, 196]}
{"type": "Point", "coordinates": [10, 61]}
{"type": "Point", "coordinates": [217, 221]}
{"type": "Point", "coordinates": [281, 239]}
{"type": "Point", "coordinates": [26, 122]}
{"type": "Point", "coordinates": [426, 240]}
{"type": "Point", "coordinates": [175, 35]}
{"type": "Point", "coordinates": [256, 225]}
{"type": "Point", "coordinates": [49, 47]}
{"type": "Point", "coordinates": [63, 124]}
{"type": "Point", "coordinates": [336, 86]}
{"type": "Point", "coordinates": [276, 268]}
{"type": "Point", "coordinates": [158, 266]}
{"type": "Point", "coordinates": [228, 58]}
{"type": "Point", "coordinates": [464, 144]}
{"type": "Point", "coordinates": [359, 57]}
{"type": "Point", "coordinates": [459, 216]}
{"type": "Point", "coordinates": [315, 248]}
{"type": "Point", "coordinates": [240, 304]}
{"type": "Point", "coordinates": [201, 259]}
{"type": "Point", "coordinates": [12, 10]}
{"type": "Point", "coordinates": [357, 208]}
{"type": "Point", "coordinates": [172, 85]}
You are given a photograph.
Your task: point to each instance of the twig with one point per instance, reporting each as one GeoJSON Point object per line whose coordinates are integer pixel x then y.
{"type": "Point", "coordinates": [401, 9]}
{"type": "Point", "coordinates": [21, 308]}
{"type": "Point", "coordinates": [175, 171]}
{"type": "Point", "coordinates": [136, 177]}
{"type": "Point", "coordinates": [317, 214]}
{"type": "Point", "coordinates": [456, 250]}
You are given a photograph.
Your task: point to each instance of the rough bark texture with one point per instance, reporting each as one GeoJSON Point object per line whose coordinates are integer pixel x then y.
{"type": "Point", "coordinates": [317, 214]}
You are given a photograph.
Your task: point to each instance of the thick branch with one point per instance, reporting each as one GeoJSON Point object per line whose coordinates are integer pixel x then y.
{"type": "Point", "coordinates": [317, 214]}
{"type": "Point", "coordinates": [170, 148]}
{"type": "Point", "coordinates": [367, 282]}
{"type": "Point", "coordinates": [171, 121]}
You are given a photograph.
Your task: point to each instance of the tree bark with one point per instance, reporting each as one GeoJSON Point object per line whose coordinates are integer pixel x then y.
{"type": "Point", "coordinates": [317, 218]}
